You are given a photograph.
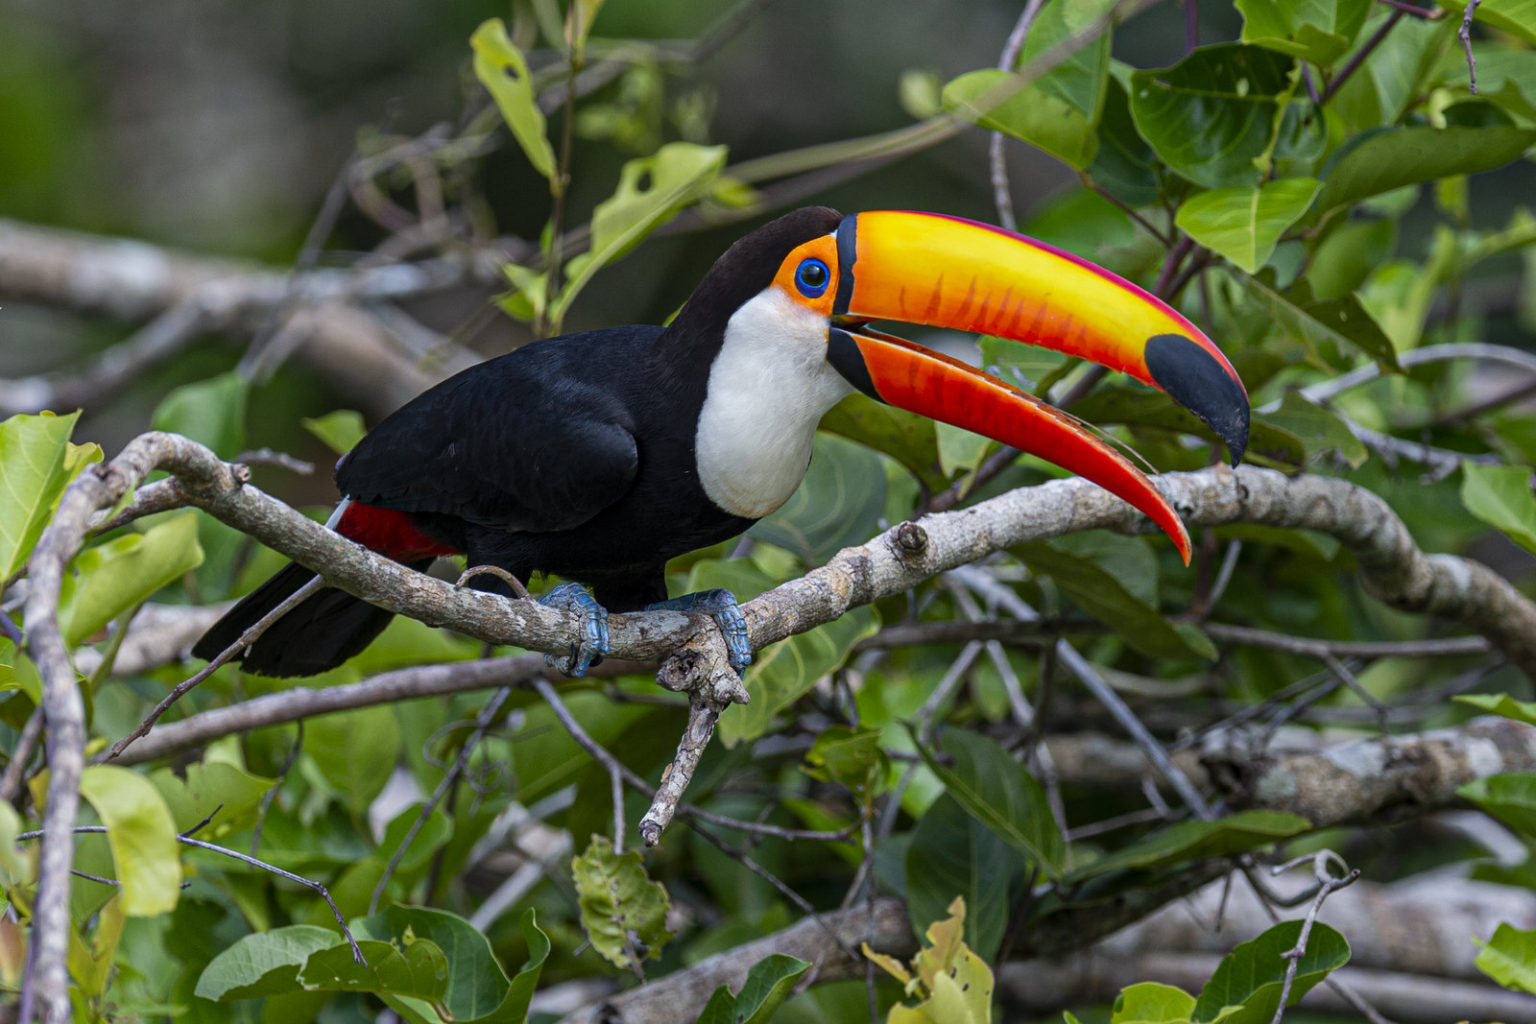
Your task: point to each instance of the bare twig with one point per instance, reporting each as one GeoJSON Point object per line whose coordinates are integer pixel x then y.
{"type": "Point", "coordinates": [1001, 194]}
{"type": "Point", "coordinates": [1327, 882]}
{"type": "Point", "coordinates": [1465, 35]}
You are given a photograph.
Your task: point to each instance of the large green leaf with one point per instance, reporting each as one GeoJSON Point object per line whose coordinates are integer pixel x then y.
{"type": "Point", "coordinates": [766, 987]}
{"type": "Point", "coordinates": [1031, 114]}
{"type": "Point", "coordinates": [1331, 327]}
{"type": "Point", "coordinates": [1500, 704]}
{"type": "Point", "coordinates": [651, 189]}
{"type": "Point", "coordinates": [1252, 975]}
{"type": "Point", "coordinates": [36, 464]}
{"type": "Point", "coordinates": [416, 967]}
{"type": "Point", "coordinates": [112, 577]}
{"type": "Point", "coordinates": [1501, 497]}
{"type": "Point", "coordinates": [837, 504]}
{"type": "Point", "coordinates": [1152, 1003]}
{"type": "Point", "coordinates": [904, 436]}
{"type": "Point", "coordinates": [339, 430]}
{"type": "Point", "coordinates": [1510, 797]}
{"type": "Point", "coordinates": [142, 837]}
{"type": "Point", "coordinates": [1140, 407]}
{"type": "Point", "coordinates": [953, 854]}
{"type": "Point", "coordinates": [1099, 591]}
{"type": "Point", "coordinates": [502, 69]}
{"type": "Point", "coordinates": [1000, 793]}
{"type": "Point", "coordinates": [1245, 222]}
{"type": "Point", "coordinates": [1198, 840]}
{"type": "Point", "coordinates": [1317, 31]}
{"type": "Point", "coordinates": [356, 751]}
{"type": "Point", "coordinates": [216, 789]}
{"type": "Point", "coordinates": [210, 412]}
{"type": "Point", "coordinates": [478, 991]}
{"type": "Point", "coordinates": [623, 912]}
{"type": "Point", "coordinates": [1125, 165]}
{"type": "Point", "coordinates": [1212, 117]}
{"type": "Point", "coordinates": [1395, 157]}
{"type": "Point", "coordinates": [263, 964]}
{"type": "Point", "coordinates": [1509, 957]}
{"type": "Point", "coordinates": [1318, 428]}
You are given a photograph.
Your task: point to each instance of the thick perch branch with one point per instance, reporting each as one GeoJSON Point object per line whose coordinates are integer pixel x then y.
{"type": "Point", "coordinates": [1392, 565]}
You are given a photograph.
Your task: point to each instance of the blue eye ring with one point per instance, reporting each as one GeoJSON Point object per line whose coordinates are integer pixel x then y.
{"type": "Point", "coordinates": [812, 278]}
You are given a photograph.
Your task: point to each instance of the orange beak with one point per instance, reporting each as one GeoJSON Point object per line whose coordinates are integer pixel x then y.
{"type": "Point", "coordinates": [946, 272]}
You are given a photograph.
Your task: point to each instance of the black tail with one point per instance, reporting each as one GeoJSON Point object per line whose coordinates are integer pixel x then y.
{"type": "Point", "coordinates": [325, 630]}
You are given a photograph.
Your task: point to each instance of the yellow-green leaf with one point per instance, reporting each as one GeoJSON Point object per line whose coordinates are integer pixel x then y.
{"type": "Point", "coordinates": [35, 467]}
{"type": "Point", "coordinates": [142, 837]}
{"type": "Point", "coordinates": [1245, 222]}
{"type": "Point", "coordinates": [501, 68]}
{"type": "Point", "coordinates": [623, 911]}
{"type": "Point", "coordinates": [110, 578]}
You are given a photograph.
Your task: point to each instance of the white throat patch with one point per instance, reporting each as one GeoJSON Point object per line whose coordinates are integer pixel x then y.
{"type": "Point", "coordinates": [768, 388]}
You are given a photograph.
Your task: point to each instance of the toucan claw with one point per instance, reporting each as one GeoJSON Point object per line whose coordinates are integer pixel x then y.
{"type": "Point", "coordinates": [719, 604]}
{"type": "Point", "coordinates": [593, 643]}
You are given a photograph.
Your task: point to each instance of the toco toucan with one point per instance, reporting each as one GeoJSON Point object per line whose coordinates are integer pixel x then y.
{"type": "Point", "coordinates": [600, 455]}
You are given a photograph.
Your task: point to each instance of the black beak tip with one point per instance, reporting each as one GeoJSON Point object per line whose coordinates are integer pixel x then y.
{"type": "Point", "coordinates": [1197, 381]}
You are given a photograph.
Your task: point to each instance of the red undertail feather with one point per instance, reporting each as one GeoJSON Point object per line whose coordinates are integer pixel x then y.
{"type": "Point", "coordinates": [389, 532]}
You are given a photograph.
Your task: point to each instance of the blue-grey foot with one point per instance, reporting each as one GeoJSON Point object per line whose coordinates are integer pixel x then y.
{"type": "Point", "coordinates": [720, 605]}
{"type": "Point", "coordinates": [589, 648]}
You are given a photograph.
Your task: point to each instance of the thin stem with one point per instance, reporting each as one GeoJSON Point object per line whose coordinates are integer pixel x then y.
{"type": "Point", "coordinates": [1358, 59]}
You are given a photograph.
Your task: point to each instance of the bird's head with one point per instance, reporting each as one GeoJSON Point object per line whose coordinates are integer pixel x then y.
{"type": "Point", "coordinates": [833, 277]}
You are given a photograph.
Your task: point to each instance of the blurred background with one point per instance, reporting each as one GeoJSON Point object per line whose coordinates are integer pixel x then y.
{"type": "Point", "coordinates": [218, 127]}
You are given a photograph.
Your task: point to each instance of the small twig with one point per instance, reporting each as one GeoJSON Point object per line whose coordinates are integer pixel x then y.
{"type": "Point", "coordinates": [268, 457]}
{"type": "Point", "coordinates": [246, 639]}
{"type": "Point", "coordinates": [1427, 13]}
{"type": "Point", "coordinates": [1465, 35]}
{"type": "Point", "coordinates": [1327, 883]}
{"type": "Point", "coordinates": [187, 840]}
{"type": "Point", "coordinates": [483, 723]}
{"type": "Point", "coordinates": [1001, 194]}
{"type": "Point", "coordinates": [1191, 25]}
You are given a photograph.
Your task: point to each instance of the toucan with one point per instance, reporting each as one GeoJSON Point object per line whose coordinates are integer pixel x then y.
{"type": "Point", "coordinates": [598, 456]}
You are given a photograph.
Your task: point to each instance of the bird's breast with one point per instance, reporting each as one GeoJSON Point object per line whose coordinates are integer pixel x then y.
{"type": "Point", "coordinates": [768, 387]}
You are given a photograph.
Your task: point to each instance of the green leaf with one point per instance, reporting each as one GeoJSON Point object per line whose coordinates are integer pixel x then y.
{"type": "Point", "coordinates": [1509, 957]}
{"type": "Point", "coordinates": [501, 68]}
{"type": "Point", "coordinates": [1212, 115]}
{"type": "Point", "coordinates": [210, 412]}
{"type": "Point", "coordinates": [849, 757]}
{"type": "Point", "coordinates": [1198, 840]}
{"type": "Point", "coordinates": [838, 504]}
{"type": "Point", "coordinates": [623, 912]}
{"type": "Point", "coordinates": [142, 836]}
{"type": "Point", "coordinates": [1501, 497]}
{"type": "Point", "coordinates": [1031, 114]}
{"type": "Point", "coordinates": [1150, 1002]}
{"type": "Point", "coordinates": [1347, 254]}
{"type": "Point", "coordinates": [1141, 407]}
{"type": "Point", "coordinates": [953, 854]}
{"type": "Point", "coordinates": [766, 987]}
{"type": "Point", "coordinates": [1500, 704]}
{"type": "Point", "coordinates": [952, 982]}
{"type": "Point", "coordinates": [356, 751]}
{"type": "Point", "coordinates": [1252, 975]}
{"type": "Point", "coordinates": [1244, 223]}
{"type": "Point", "coordinates": [263, 964]}
{"type": "Point", "coordinates": [110, 578]}
{"type": "Point", "coordinates": [1000, 793]}
{"type": "Point", "coordinates": [1339, 324]}
{"type": "Point", "coordinates": [1517, 17]}
{"type": "Point", "coordinates": [419, 969]}
{"type": "Point", "coordinates": [1316, 31]}
{"type": "Point", "coordinates": [1125, 166]}
{"type": "Point", "coordinates": [904, 436]}
{"type": "Point", "coordinates": [1099, 591]}
{"type": "Point", "coordinates": [1510, 797]}
{"type": "Point", "coordinates": [34, 470]}
{"type": "Point", "coordinates": [1319, 428]}
{"type": "Point", "coordinates": [203, 788]}
{"type": "Point", "coordinates": [478, 990]}
{"type": "Point", "coordinates": [651, 190]}
{"type": "Point", "coordinates": [339, 431]}
{"type": "Point", "coordinates": [1395, 157]}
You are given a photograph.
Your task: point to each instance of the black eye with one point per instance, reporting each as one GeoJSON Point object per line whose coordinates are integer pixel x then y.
{"type": "Point", "coordinates": [811, 278]}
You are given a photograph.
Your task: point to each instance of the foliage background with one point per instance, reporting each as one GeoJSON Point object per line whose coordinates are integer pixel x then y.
{"type": "Point", "coordinates": [220, 127]}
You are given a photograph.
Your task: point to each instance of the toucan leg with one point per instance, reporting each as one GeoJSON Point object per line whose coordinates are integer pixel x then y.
{"type": "Point", "coordinates": [593, 643]}
{"type": "Point", "coordinates": [720, 605]}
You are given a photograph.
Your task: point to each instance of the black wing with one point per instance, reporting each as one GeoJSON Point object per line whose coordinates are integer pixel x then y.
{"type": "Point", "coordinates": [534, 440]}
